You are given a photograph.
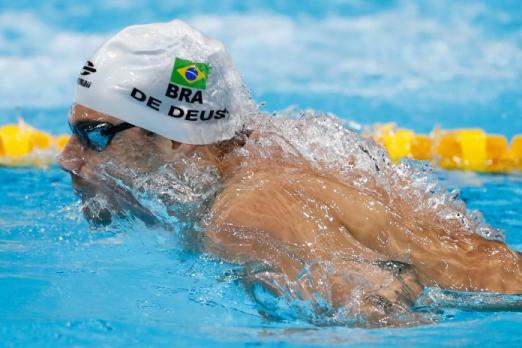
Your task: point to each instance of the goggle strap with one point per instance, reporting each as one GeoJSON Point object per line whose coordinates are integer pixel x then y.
{"type": "Point", "coordinates": [119, 128]}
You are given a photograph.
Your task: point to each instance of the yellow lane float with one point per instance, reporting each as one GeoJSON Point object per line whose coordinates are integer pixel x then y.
{"type": "Point", "coordinates": [464, 149]}
{"type": "Point", "coordinates": [22, 145]}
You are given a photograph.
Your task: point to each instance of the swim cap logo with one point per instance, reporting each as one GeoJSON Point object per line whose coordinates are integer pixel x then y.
{"type": "Point", "coordinates": [190, 74]}
{"type": "Point", "coordinates": [88, 68]}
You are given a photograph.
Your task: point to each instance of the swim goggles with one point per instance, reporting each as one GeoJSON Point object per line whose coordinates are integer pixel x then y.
{"type": "Point", "coordinates": [97, 135]}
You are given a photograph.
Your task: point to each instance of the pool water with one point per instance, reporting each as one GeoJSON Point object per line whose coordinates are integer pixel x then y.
{"type": "Point", "coordinates": [435, 62]}
{"type": "Point", "coordinates": [63, 284]}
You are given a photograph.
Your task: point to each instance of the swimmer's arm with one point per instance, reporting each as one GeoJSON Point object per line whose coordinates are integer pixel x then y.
{"type": "Point", "coordinates": [250, 226]}
{"type": "Point", "coordinates": [458, 261]}
{"type": "Point", "coordinates": [253, 227]}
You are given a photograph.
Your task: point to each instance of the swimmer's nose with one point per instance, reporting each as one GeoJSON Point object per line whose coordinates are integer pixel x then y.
{"type": "Point", "coordinates": [71, 159]}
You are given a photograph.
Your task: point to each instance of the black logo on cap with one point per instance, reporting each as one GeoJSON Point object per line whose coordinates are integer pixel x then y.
{"type": "Point", "coordinates": [88, 68]}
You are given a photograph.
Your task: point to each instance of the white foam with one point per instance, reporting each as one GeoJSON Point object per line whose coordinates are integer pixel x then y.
{"type": "Point", "coordinates": [394, 55]}
{"type": "Point", "coordinates": [39, 63]}
{"type": "Point", "coordinates": [386, 55]}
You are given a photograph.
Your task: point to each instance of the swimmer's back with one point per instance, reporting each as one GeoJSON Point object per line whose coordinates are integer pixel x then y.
{"type": "Point", "coordinates": [297, 205]}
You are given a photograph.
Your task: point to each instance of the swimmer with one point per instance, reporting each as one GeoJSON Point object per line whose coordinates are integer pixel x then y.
{"type": "Point", "coordinates": [160, 112]}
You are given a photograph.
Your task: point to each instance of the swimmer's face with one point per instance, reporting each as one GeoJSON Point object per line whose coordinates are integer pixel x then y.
{"type": "Point", "coordinates": [107, 180]}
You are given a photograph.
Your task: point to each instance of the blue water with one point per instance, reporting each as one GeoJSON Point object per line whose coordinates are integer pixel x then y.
{"type": "Point", "coordinates": [417, 64]}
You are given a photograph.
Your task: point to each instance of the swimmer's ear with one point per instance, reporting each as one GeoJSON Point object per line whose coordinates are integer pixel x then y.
{"type": "Point", "coordinates": [182, 148]}
{"type": "Point", "coordinates": [174, 144]}
{"type": "Point", "coordinates": [148, 133]}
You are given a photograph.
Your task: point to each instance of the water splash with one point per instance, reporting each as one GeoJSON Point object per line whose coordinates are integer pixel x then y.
{"type": "Point", "coordinates": [323, 141]}
{"type": "Point", "coordinates": [435, 299]}
{"type": "Point", "coordinates": [180, 193]}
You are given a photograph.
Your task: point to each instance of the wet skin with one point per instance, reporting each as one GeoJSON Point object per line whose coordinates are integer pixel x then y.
{"type": "Point", "coordinates": [291, 216]}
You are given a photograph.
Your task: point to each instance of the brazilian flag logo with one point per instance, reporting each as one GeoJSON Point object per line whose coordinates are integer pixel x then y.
{"type": "Point", "coordinates": [190, 74]}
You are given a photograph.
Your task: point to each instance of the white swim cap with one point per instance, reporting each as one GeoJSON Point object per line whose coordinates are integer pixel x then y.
{"type": "Point", "coordinates": [167, 78]}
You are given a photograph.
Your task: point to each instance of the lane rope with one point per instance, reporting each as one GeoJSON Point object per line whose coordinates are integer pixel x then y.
{"type": "Point", "coordinates": [22, 145]}
{"type": "Point", "coordinates": [463, 149]}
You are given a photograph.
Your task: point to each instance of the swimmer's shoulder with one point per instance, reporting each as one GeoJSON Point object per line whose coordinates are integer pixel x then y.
{"type": "Point", "coordinates": [260, 197]}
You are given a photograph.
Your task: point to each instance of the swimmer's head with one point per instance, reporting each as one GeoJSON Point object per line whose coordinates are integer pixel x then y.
{"type": "Point", "coordinates": [152, 98]}
{"type": "Point", "coordinates": [167, 78]}
{"type": "Point", "coordinates": [122, 172]}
